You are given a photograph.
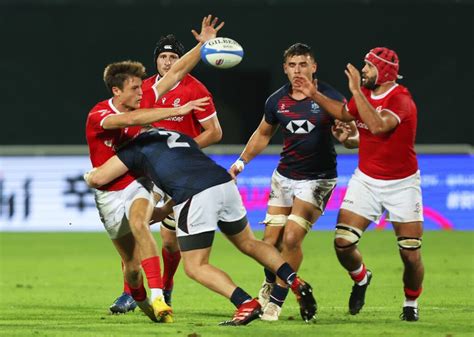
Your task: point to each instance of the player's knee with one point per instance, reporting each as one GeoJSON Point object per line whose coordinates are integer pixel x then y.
{"type": "Point", "coordinates": [275, 220]}
{"type": "Point", "coordinates": [346, 237]}
{"type": "Point", "coordinates": [291, 241]}
{"type": "Point", "coordinates": [300, 221]}
{"type": "Point", "coordinates": [191, 271]}
{"type": "Point", "coordinates": [409, 243]}
{"type": "Point", "coordinates": [410, 250]}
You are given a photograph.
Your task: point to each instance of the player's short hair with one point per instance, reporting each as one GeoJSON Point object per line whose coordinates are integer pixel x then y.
{"type": "Point", "coordinates": [298, 49]}
{"type": "Point", "coordinates": [168, 43]}
{"type": "Point", "coordinates": [115, 74]}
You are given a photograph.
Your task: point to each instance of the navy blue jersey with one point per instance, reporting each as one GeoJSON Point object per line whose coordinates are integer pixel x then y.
{"type": "Point", "coordinates": [174, 162]}
{"type": "Point", "coordinates": [308, 150]}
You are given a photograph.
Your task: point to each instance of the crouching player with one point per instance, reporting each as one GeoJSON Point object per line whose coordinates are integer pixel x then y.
{"type": "Point", "coordinates": [205, 198]}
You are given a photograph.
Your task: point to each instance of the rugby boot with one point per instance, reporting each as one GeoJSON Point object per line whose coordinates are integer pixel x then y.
{"type": "Point", "coordinates": [163, 311]}
{"type": "Point", "coordinates": [357, 299]}
{"type": "Point", "coordinates": [304, 295]}
{"type": "Point", "coordinates": [264, 293]}
{"type": "Point", "coordinates": [246, 313]}
{"type": "Point", "coordinates": [147, 308]}
{"type": "Point", "coordinates": [123, 304]}
{"type": "Point", "coordinates": [410, 314]}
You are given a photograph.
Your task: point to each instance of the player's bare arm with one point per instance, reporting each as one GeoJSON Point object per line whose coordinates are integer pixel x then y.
{"type": "Point", "coordinates": [212, 133]}
{"type": "Point", "coordinates": [256, 144]}
{"type": "Point", "coordinates": [189, 60]}
{"type": "Point", "coordinates": [104, 174]}
{"type": "Point", "coordinates": [376, 122]}
{"type": "Point", "coordinates": [333, 107]}
{"type": "Point", "coordinates": [142, 117]}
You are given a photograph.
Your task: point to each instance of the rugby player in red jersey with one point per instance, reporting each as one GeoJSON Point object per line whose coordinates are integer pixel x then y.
{"type": "Point", "coordinates": [387, 177]}
{"type": "Point", "coordinates": [201, 124]}
{"type": "Point", "coordinates": [124, 204]}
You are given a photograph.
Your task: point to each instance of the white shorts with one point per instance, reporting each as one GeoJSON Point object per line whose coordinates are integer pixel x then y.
{"type": "Point", "coordinates": [217, 206]}
{"type": "Point", "coordinates": [370, 197]}
{"type": "Point", "coordinates": [284, 190]}
{"type": "Point", "coordinates": [114, 206]}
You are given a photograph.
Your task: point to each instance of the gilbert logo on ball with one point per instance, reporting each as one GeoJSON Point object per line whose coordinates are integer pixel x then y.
{"type": "Point", "coordinates": [222, 53]}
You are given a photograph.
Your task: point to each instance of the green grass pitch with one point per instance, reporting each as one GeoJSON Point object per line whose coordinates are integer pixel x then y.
{"type": "Point", "coordinates": [61, 284]}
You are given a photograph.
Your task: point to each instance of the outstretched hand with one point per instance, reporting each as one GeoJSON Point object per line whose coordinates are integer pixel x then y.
{"type": "Point", "coordinates": [303, 84]}
{"type": "Point", "coordinates": [197, 104]}
{"type": "Point", "coordinates": [354, 78]}
{"type": "Point", "coordinates": [208, 29]}
{"type": "Point", "coordinates": [341, 131]}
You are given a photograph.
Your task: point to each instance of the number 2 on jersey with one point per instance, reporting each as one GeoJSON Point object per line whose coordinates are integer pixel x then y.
{"type": "Point", "coordinates": [172, 139]}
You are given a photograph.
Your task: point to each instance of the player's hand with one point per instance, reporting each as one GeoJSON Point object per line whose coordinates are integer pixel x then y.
{"type": "Point", "coordinates": [236, 168]}
{"type": "Point", "coordinates": [197, 104]}
{"type": "Point", "coordinates": [341, 131]}
{"type": "Point", "coordinates": [354, 78]}
{"type": "Point", "coordinates": [158, 215]}
{"type": "Point", "coordinates": [307, 87]}
{"type": "Point", "coordinates": [208, 29]}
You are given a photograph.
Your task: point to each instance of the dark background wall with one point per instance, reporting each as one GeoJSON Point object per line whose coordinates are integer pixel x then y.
{"type": "Point", "coordinates": [53, 54]}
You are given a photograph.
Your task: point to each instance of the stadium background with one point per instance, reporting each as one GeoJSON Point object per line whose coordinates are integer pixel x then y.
{"type": "Point", "coordinates": [53, 53]}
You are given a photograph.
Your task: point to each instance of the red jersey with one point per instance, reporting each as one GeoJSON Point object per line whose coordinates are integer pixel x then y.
{"type": "Point", "coordinates": [391, 155]}
{"type": "Point", "coordinates": [188, 89]}
{"type": "Point", "coordinates": [103, 143]}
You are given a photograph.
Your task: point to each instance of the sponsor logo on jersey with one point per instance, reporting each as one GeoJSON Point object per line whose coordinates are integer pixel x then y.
{"type": "Point", "coordinates": [300, 126]}
{"type": "Point", "coordinates": [361, 125]}
{"type": "Point", "coordinates": [176, 102]}
{"type": "Point", "coordinates": [163, 100]}
{"type": "Point", "coordinates": [348, 201]}
{"type": "Point", "coordinates": [379, 108]}
{"type": "Point", "coordinates": [175, 119]}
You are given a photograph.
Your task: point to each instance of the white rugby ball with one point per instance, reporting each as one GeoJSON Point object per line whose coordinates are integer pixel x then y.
{"type": "Point", "coordinates": [222, 53]}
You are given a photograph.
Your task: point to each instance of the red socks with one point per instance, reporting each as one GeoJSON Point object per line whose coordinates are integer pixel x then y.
{"type": "Point", "coordinates": [152, 269]}
{"type": "Point", "coordinates": [138, 294]}
{"type": "Point", "coordinates": [359, 274]}
{"type": "Point", "coordinates": [170, 264]}
{"type": "Point", "coordinates": [412, 295]}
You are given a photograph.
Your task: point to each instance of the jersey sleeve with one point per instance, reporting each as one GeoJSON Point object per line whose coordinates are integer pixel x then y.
{"type": "Point", "coordinates": [96, 119]}
{"type": "Point", "coordinates": [351, 107]}
{"type": "Point", "coordinates": [400, 105]}
{"type": "Point", "coordinates": [148, 98]}
{"type": "Point", "coordinates": [127, 156]}
{"type": "Point", "coordinates": [269, 111]}
{"type": "Point", "coordinates": [200, 91]}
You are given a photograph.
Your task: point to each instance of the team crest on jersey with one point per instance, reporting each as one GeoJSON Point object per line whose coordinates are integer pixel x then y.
{"type": "Point", "coordinates": [282, 109]}
{"type": "Point", "coordinates": [314, 108]}
{"type": "Point", "coordinates": [109, 143]}
{"type": "Point", "coordinates": [163, 100]}
{"type": "Point", "coordinates": [300, 126]}
{"type": "Point", "coordinates": [176, 102]}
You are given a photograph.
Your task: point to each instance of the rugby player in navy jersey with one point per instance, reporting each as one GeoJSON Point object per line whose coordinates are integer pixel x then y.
{"type": "Point", "coordinates": [205, 199]}
{"type": "Point", "coordinates": [306, 174]}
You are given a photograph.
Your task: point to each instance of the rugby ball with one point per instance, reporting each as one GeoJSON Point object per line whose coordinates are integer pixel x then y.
{"type": "Point", "coordinates": [222, 53]}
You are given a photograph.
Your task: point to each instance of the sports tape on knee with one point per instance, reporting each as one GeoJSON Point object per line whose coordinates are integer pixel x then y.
{"type": "Point", "coordinates": [169, 222]}
{"type": "Point", "coordinates": [301, 221]}
{"type": "Point", "coordinates": [275, 220]}
{"type": "Point", "coordinates": [409, 243]}
{"type": "Point", "coordinates": [348, 233]}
